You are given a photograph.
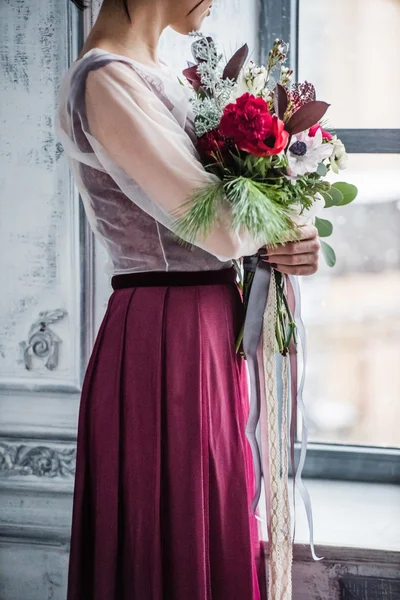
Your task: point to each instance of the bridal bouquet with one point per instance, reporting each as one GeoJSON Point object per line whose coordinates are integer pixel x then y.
{"type": "Point", "coordinates": [264, 140]}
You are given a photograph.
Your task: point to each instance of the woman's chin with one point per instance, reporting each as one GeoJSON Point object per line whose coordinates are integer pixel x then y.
{"type": "Point", "coordinates": [188, 26]}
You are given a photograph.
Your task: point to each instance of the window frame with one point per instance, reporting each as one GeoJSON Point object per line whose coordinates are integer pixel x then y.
{"type": "Point", "coordinates": [331, 460]}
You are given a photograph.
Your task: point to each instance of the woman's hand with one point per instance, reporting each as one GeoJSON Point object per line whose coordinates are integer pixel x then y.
{"type": "Point", "coordinates": [296, 258]}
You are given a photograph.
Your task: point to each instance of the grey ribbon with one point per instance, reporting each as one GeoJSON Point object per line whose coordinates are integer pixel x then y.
{"type": "Point", "coordinates": [251, 338]}
{"type": "Point", "coordinates": [300, 403]}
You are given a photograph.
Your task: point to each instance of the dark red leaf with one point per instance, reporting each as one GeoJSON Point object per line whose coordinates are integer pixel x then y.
{"type": "Point", "coordinates": [307, 116]}
{"type": "Point", "coordinates": [193, 77]}
{"type": "Point", "coordinates": [281, 101]}
{"type": "Point", "coordinates": [236, 63]}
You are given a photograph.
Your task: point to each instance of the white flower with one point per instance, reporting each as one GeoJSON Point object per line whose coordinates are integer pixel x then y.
{"type": "Point", "coordinates": [308, 215]}
{"type": "Point", "coordinates": [258, 83]}
{"type": "Point", "coordinates": [241, 86]}
{"type": "Point", "coordinates": [339, 158]}
{"type": "Point", "coordinates": [266, 94]}
{"type": "Point", "coordinates": [251, 80]}
{"type": "Point", "coordinates": [306, 153]}
{"type": "Point", "coordinates": [286, 75]}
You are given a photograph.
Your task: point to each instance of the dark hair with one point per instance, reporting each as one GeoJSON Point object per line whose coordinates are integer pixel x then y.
{"type": "Point", "coordinates": [81, 5]}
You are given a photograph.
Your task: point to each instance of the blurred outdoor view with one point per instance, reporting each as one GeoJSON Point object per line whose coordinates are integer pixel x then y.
{"type": "Point", "coordinates": [352, 312]}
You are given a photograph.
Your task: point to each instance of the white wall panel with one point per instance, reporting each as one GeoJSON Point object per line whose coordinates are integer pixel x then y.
{"type": "Point", "coordinates": [39, 243]}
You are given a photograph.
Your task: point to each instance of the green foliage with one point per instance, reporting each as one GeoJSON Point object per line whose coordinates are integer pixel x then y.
{"type": "Point", "coordinates": [328, 254]}
{"type": "Point", "coordinates": [348, 191]}
{"type": "Point", "coordinates": [340, 194]}
{"type": "Point", "coordinates": [260, 208]}
{"type": "Point", "coordinates": [259, 198]}
{"type": "Point", "coordinates": [324, 227]}
{"type": "Point", "coordinates": [199, 212]}
{"type": "Point", "coordinates": [333, 197]}
{"type": "Point", "coordinates": [261, 168]}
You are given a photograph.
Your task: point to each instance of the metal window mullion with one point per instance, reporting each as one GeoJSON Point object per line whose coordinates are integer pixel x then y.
{"type": "Point", "coordinates": [370, 141]}
{"type": "Point", "coordinates": [279, 20]}
{"type": "Point", "coordinates": [350, 463]}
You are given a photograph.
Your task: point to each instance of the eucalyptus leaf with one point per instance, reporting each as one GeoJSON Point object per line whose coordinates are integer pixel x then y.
{"type": "Point", "coordinates": [348, 191]}
{"type": "Point", "coordinates": [328, 254]}
{"type": "Point", "coordinates": [328, 199]}
{"type": "Point", "coordinates": [333, 197]}
{"type": "Point", "coordinates": [325, 228]}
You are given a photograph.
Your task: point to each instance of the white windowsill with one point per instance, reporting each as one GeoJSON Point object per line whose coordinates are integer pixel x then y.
{"type": "Point", "coordinates": [349, 514]}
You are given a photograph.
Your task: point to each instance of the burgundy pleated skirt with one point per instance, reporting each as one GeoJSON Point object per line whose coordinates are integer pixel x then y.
{"type": "Point", "coordinates": [164, 474]}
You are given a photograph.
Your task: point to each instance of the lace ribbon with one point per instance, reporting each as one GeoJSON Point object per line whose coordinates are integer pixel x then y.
{"type": "Point", "coordinates": [269, 414]}
{"type": "Point", "coordinates": [275, 460]}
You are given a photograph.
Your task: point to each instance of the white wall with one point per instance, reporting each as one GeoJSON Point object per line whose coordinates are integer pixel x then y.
{"type": "Point", "coordinates": [42, 261]}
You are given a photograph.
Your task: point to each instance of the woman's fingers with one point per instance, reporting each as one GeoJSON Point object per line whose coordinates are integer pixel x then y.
{"type": "Point", "coordinates": [295, 264]}
{"type": "Point", "coordinates": [308, 243]}
{"type": "Point", "coordinates": [293, 248]}
{"type": "Point", "coordinates": [294, 260]}
{"type": "Point", "coordinates": [308, 232]}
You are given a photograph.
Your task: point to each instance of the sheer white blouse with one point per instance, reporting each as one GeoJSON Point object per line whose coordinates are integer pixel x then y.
{"type": "Point", "coordinates": [128, 132]}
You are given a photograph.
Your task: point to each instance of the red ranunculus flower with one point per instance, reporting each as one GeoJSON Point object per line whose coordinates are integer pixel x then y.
{"type": "Point", "coordinates": [253, 129]}
{"type": "Point", "coordinates": [313, 130]}
{"type": "Point", "coordinates": [211, 142]}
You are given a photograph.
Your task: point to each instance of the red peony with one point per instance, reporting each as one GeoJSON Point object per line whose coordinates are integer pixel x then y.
{"type": "Point", "coordinates": [249, 123]}
{"type": "Point", "coordinates": [313, 130]}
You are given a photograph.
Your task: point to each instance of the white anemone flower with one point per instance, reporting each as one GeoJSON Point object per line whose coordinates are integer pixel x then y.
{"type": "Point", "coordinates": [305, 153]}
{"type": "Point", "coordinates": [339, 158]}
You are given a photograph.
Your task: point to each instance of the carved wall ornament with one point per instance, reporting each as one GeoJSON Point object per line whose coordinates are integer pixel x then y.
{"type": "Point", "coordinates": [43, 342]}
{"type": "Point", "coordinates": [42, 461]}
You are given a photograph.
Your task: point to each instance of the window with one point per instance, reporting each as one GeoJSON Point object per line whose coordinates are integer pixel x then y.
{"type": "Point", "coordinates": [352, 312]}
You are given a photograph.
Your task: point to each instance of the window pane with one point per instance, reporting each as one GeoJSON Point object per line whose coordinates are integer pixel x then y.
{"type": "Point", "coordinates": [350, 49]}
{"type": "Point", "coordinates": [352, 314]}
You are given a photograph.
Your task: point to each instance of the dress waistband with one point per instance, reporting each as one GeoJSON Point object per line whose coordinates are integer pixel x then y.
{"type": "Point", "coordinates": [173, 278]}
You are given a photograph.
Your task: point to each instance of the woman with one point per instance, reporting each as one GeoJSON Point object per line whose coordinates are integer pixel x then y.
{"type": "Point", "coordinates": [164, 471]}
